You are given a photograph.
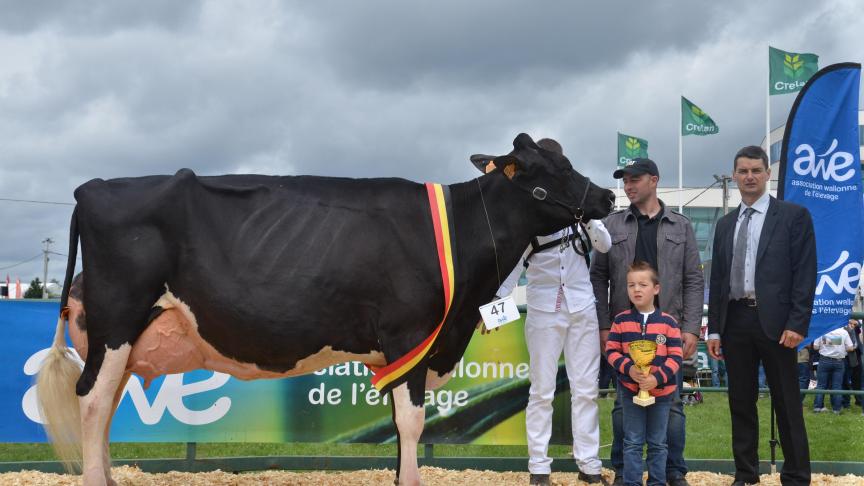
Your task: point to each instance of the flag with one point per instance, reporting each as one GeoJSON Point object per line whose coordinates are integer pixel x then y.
{"type": "Point", "coordinates": [629, 148]}
{"type": "Point", "coordinates": [820, 168]}
{"type": "Point", "coordinates": [694, 121]}
{"type": "Point", "coordinates": [789, 71]}
{"type": "Point", "coordinates": [17, 288]}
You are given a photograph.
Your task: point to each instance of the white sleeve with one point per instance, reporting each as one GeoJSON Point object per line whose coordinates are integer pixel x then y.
{"type": "Point", "coordinates": [512, 280]}
{"type": "Point", "coordinates": [600, 238]}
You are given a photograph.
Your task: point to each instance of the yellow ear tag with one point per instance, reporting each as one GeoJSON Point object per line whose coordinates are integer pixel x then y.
{"type": "Point", "coordinates": [510, 170]}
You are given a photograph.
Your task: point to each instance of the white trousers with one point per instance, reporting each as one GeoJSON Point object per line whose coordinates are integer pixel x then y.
{"type": "Point", "coordinates": [577, 334]}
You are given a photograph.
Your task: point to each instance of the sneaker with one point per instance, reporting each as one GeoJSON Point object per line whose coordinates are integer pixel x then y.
{"type": "Point", "coordinates": [592, 478]}
{"type": "Point", "coordinates": [678, 482]}
{"type": "Point", "coordinates": [836, 412]}
{"type": "Point", "coordinates": [539, 480]}
{"type": "Point", "coordinates": [619, 478]}
{"type": "Point", "coordinates": [820, 410]}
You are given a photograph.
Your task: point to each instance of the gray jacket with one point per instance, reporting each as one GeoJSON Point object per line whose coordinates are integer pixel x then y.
{"type": "Point", "coordinates": [682, 285]}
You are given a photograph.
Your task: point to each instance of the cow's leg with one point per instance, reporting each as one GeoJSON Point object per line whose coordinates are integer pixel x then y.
{"type": "Point", "coordinates": [409, 415]}
{"type": "Point", "coordinates": [106, 452]}
{"type": "Point", "coordinates": [96, 409]}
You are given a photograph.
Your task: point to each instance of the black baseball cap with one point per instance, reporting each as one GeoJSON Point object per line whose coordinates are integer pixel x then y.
{"type": "Point", "coordinates": [637, 166]}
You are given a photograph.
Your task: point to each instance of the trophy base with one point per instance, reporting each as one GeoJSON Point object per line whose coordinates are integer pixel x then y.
{"type": "Point", "coordinates": [643, 402]}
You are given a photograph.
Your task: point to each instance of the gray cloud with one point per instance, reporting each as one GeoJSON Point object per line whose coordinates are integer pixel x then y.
{"type": "Point", "coordinates": [383, 88]}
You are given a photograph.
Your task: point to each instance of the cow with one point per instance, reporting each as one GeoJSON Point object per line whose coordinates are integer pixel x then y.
{"type": "Point", "coordinates": [270, 277]}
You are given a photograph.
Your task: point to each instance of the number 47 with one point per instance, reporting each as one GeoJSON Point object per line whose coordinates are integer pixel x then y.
{"type": "Point", "coordinates": [495, 310]}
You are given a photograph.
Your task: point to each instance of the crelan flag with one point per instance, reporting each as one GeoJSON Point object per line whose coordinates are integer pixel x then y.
{"type": "Point", "coordinates": [694, 121]}
{"type": "Point", "coordinates": [630, 147]}
{"type": "Point", "coordinates": [789, 71]}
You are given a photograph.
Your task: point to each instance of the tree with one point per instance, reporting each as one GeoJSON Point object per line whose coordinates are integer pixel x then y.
{"type": "Point", "coordinates": [35, 289]}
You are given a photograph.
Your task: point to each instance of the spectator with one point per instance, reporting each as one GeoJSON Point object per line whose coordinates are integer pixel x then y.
{"type": "Point", "coordinates": [852, 374]}
{"type": "Point", "coordinates": [804, 369]}
{"type": "Point", "coordinates": [833, 348]}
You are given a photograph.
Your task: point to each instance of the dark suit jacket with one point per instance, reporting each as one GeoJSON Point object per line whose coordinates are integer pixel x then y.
{"type": "Point", "coordinates": [785, 270]}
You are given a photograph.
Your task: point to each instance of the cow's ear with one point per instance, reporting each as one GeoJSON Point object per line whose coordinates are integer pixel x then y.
{"type": "Point", "coordinates": [523, 140]}
{"type": "Point", "coordinates": [509, 165]}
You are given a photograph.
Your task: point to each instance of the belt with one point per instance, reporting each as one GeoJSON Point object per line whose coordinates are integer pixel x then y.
{"type": "Point", "coordinates": [746, 301]}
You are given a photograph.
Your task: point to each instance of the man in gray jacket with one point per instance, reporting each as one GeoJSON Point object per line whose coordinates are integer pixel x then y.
{"type": "Point", "coordinates": [649, 231]}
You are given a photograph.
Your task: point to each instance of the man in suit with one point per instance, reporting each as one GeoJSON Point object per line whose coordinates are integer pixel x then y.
{"type": "Point", "coordinates": [763, 278]}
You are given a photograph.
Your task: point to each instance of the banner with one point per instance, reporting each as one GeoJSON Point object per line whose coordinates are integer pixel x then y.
{"type": "Point", "coordinates": [789, 71]}
{"type": "Point", "coordinates": [820, 168]}
{"type": "Point", "coordinates": [484, 402]}
{"type": "Point", "coordinates": [629, 148]}
{"type": "Point", "coordinates": [694, 121]}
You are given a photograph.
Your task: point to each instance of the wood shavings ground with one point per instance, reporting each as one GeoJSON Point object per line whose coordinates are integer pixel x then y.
{"type": "Point", "coordinates": [431, 476]}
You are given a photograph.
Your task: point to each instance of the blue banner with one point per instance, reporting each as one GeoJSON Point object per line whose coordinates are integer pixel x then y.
{"type": "Point", "coordinates": [483, 403]}
{"type": "Point", "coordinates": [820, 169]}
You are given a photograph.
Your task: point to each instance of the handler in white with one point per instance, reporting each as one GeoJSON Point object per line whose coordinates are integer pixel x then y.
{"type": "Point", "coordinates": [561, 316]}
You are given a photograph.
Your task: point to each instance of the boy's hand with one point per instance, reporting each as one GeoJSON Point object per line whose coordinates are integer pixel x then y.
{"type": "Point", "coordinates": [648, 383]}
{"type": "Point", "coordinates": [637, 375]}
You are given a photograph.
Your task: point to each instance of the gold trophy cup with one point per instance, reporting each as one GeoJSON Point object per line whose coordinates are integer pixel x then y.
{"type": "Point", "coordinates": [642, 353]}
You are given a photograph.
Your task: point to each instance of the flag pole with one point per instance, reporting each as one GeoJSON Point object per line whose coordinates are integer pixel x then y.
{"type": "Point", "coordinates": [768, 117]}
{"type": "Point", "coordinates": [617, 162]}
{"type": "Point", "coordinates": [680, 162]}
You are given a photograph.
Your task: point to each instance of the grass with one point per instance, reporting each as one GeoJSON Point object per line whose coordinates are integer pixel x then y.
{"type": "Point", "coordinates": [832, 438]}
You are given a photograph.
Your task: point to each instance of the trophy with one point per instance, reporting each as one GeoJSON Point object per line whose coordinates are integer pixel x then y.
{"type": "Point", "coordinates": [642, 353]}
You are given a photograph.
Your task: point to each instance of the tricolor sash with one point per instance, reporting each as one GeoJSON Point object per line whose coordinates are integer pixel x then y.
{"type": "Point", "coordinates": [440, 221]}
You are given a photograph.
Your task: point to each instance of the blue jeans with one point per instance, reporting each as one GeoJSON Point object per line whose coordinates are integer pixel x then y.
{"type": "Point", "coordinates": [803, 377]}
{"type": "Point", "coordinates": [829, 373]}
{"type": "Point", "coordinates": [676, 467]}
{"type": "Point", "coordinates": [644, 425]}
{"type": "Point", "coordinates": [718, 372]}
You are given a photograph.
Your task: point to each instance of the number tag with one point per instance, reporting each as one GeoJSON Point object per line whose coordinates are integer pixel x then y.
{"type": "Point", "coordinates": [499, 312]}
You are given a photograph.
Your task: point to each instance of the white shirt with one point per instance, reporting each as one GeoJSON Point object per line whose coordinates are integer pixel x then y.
{"type": "Point", "coordinates": [559, 279]}
{"type": "Point", "coordinates": [835, 344]}
{"type": "Point", "coordinates": [754, 231]}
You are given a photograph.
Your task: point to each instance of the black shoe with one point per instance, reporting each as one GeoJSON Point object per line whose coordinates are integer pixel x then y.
{"type": "Point", "coordinates": [678, 482]}
{"type": "Point", "coordinates": [619, 480]}
{"type": "Point", "coordinates": [740, 482]}
{"type": "Point", "coordinates": [592, 478]}
{"type": "Point", "coordinates": [539, 479]}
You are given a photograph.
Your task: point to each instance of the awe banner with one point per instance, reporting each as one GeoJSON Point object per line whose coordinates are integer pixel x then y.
{"type": "Point", "coordinates": [484, 402]}
{"type": "Point", "coordinates": [820, 168]}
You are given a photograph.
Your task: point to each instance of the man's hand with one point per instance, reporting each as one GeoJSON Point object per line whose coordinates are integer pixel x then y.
{"type": "Point", "coordinates": [604, 337]}
{"type": "Point", "coordinates": [648, 383]}
{"type": "Point", "coordinates": [714, 349]}
{"type": "Point", "coordinates": [791, 339]}
{"type": "Point", "coordinates": [689, 341]}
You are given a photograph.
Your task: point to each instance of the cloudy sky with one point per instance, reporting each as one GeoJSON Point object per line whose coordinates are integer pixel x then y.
{"type": "Point", "coordinates": [374, 88]}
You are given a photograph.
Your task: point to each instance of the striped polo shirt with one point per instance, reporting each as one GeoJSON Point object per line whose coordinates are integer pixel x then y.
{"type": "Point", "coordinates": [660, 328]}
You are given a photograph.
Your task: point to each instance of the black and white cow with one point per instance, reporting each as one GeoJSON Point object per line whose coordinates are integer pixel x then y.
{"type": "Point", "coordinates": [266, 277]}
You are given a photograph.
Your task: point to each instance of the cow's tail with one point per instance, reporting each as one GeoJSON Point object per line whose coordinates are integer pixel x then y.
{"type": "Point", "coordinates": [58, 402]}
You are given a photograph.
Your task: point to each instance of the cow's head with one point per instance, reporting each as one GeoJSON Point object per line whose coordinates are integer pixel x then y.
{"type": "Point", "coordinates": [550, 179]}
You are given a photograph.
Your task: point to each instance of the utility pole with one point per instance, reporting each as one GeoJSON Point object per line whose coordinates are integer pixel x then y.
{"type": "Point", "coordinates": [724, 182]}
{"type": "Point", "coordinates": [45, 259]}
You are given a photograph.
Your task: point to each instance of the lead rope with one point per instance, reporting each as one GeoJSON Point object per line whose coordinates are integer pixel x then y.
{"type": "Point", "coordinates": [491, 235]}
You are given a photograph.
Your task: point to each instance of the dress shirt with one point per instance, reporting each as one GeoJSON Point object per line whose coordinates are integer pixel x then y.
{"type": "Point", "coordinates": [558, 278]}
{"type": "Point", "coordinates": [754, 230]}
{"type": "Point", "coordinates": [757, 220]}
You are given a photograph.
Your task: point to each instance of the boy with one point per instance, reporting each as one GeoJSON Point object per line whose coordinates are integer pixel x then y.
{"type": "Point", "coordinates": [645, 423]}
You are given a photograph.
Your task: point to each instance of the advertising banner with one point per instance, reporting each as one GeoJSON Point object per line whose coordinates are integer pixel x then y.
{"type": "Point", "coordinates": [820, 169]}
{"type": "Point", "coordinates": [483, 403]}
